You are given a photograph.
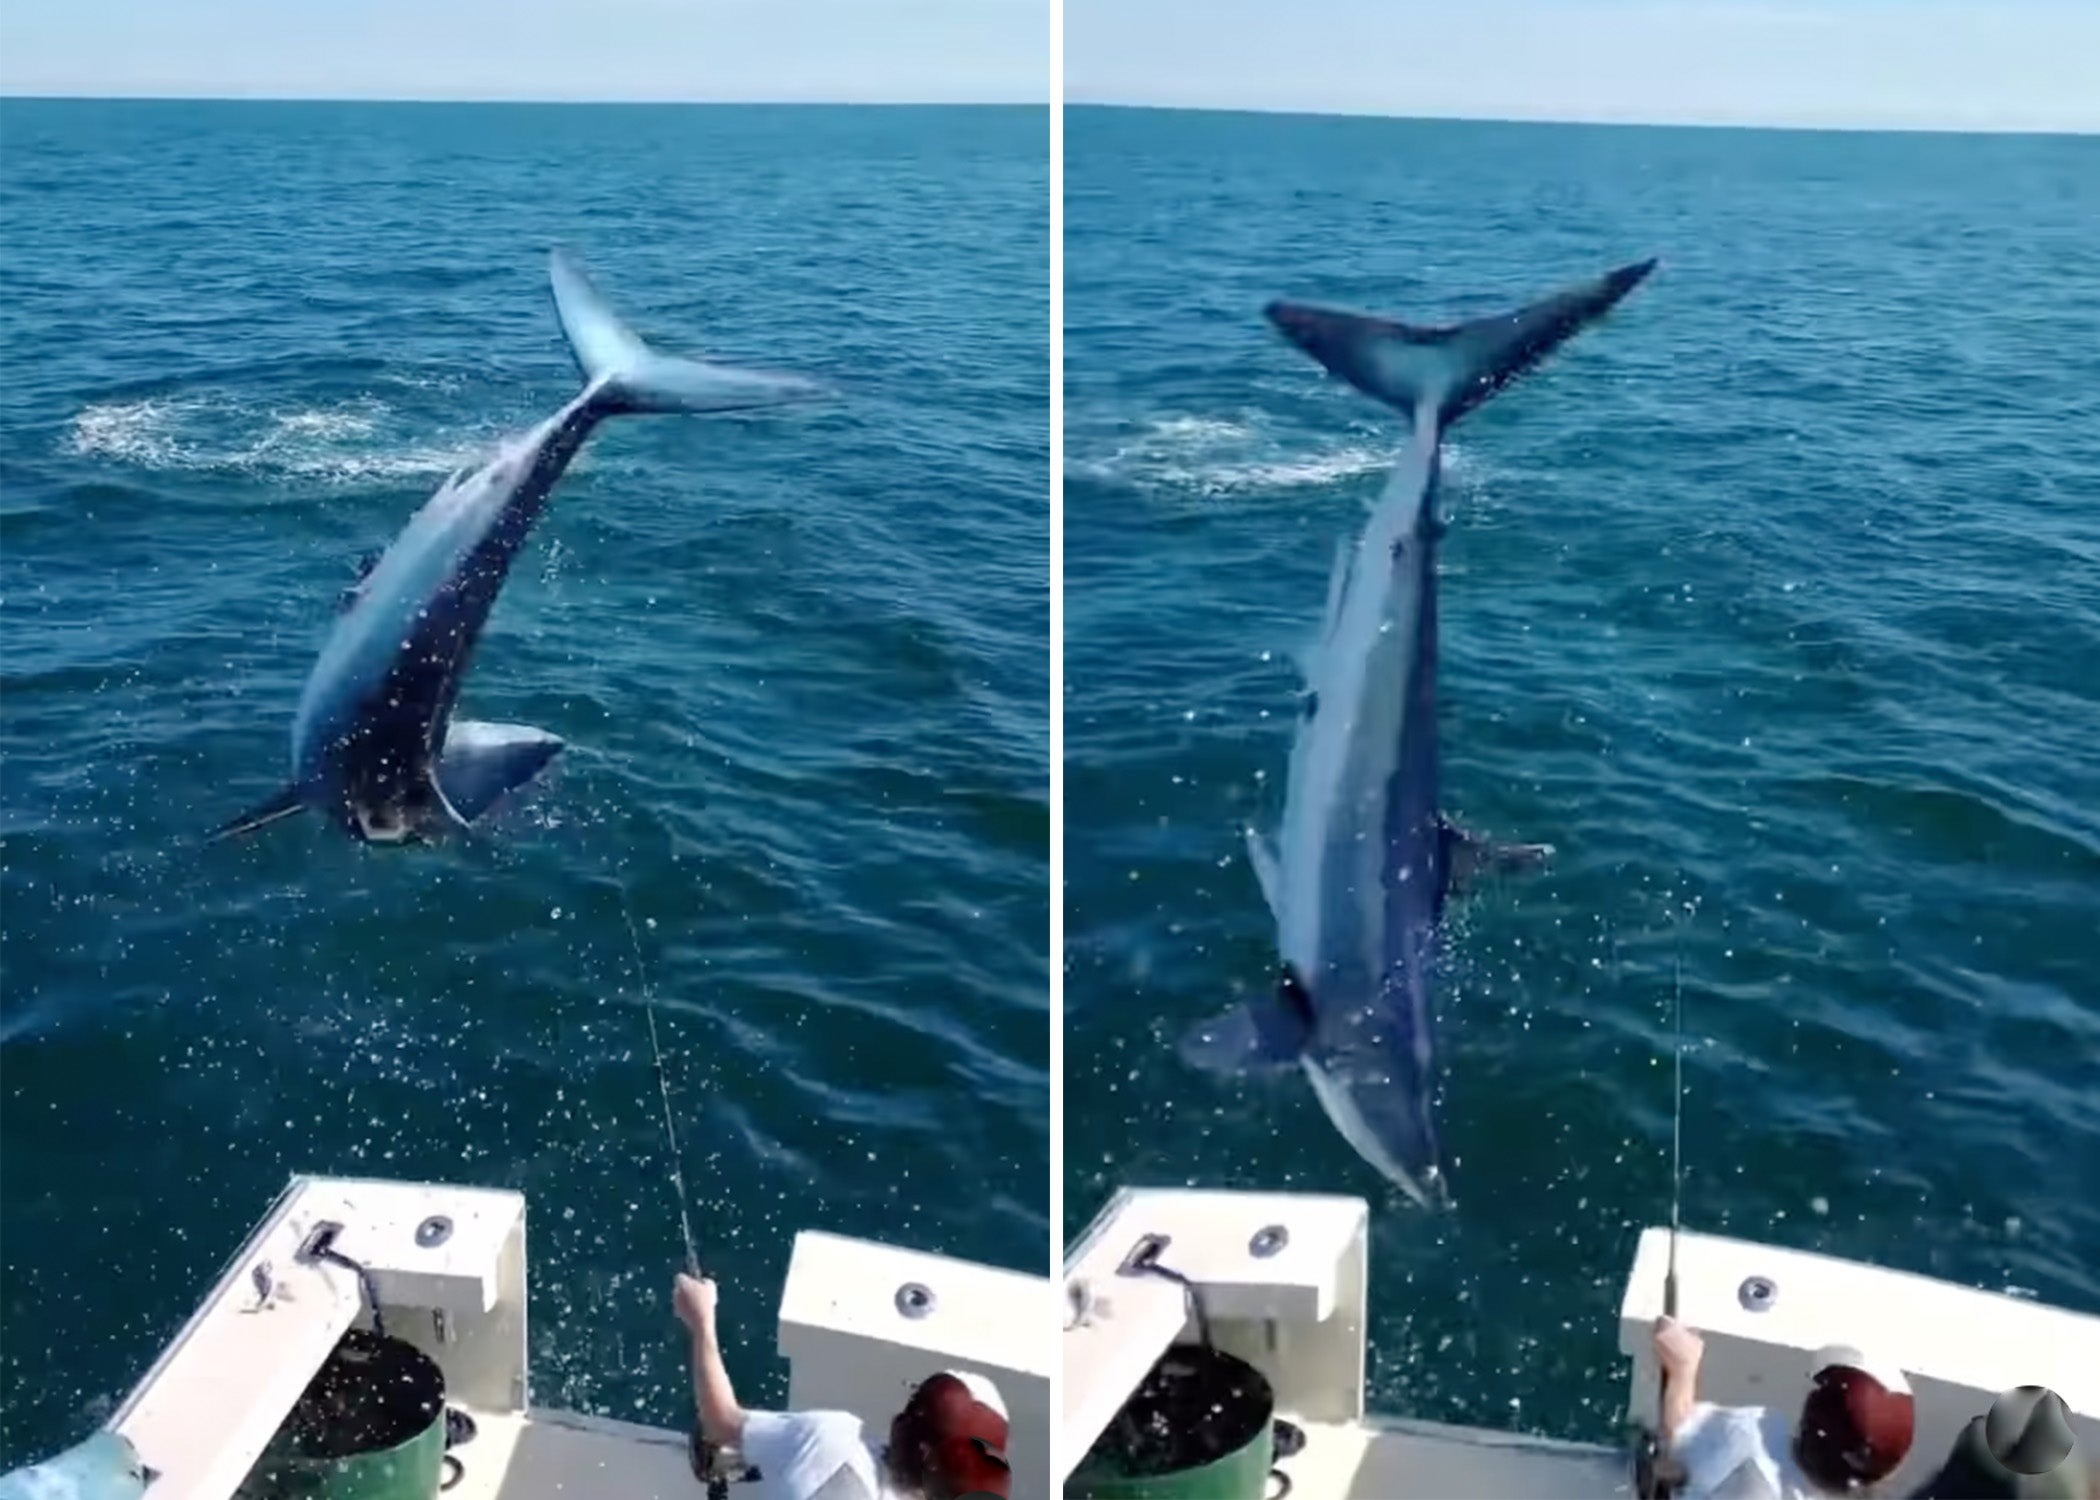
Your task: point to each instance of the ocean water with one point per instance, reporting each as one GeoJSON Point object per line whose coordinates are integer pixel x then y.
{"type": "Point", "coordinates": [1773, 602]}
{"type": "Point", "coordinates": [801, 660]}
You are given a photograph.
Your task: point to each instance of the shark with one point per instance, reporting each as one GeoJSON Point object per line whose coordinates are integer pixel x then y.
{"type": "Point", "coordinates": [102, 1466]}
{"type": "Point", "coordinates": [375, 749]}
{"type": "Point", "coordinates": [1359, 873]}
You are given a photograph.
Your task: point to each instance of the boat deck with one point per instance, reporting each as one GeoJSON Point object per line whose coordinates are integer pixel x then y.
{"type": "Point", "coordinates": [1385, 1459]}
{"type": "Point", "coordinates": [860, 1324]}
{"type": "Point", "coordinates": [561, 1454]}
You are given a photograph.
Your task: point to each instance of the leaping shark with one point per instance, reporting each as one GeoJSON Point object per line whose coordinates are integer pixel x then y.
{"type": "Point", "coordinates": [1358, 878]}
{"type": "Point", "coordinates": [102, 1466]}
{"type": "Point", "coordinates": [375, 748]}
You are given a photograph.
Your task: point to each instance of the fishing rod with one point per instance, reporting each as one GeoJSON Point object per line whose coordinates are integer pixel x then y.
{"type": "Point", "coordinates": [1660, 1473]}
{"type": "Point", "coordinates": [1676, 1129]}
{"type": "Point", "coordinates": [700, 1452]}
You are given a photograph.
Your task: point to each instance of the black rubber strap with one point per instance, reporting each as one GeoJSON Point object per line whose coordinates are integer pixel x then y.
{"type": "Point", "coordinates": [327, 1251]}
{"type": "Point", "coordinates": [1148, 1261]}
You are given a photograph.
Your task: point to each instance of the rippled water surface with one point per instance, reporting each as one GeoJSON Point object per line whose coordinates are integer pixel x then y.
{"type": "Point", "coordinates": [800, 660]}
{"type": "Point", "coordinates": [1773, 603]}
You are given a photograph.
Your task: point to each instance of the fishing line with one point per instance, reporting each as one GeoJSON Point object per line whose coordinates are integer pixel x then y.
{"type": "Point", "coordinates": [701, 1453]}
{"type": "Point", "coordinates": [663, 1086]}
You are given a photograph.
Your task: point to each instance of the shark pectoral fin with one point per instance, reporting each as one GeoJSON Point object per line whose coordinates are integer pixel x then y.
{"type": "Point", "coordinates": [1267, 873]}
{"type": "Point", "coordinates": [1236, 1042]}
{"type": "Point", "coordinates": [482, 762]}
{"type": "Point", "coordinates": [281, 805]}
{"type": "Point", "coordinates": [1467, 856]}
{"type": "Point", "coordinates": [361, 574]}
{"type": "Point", "coordinates": [1268, 1033]}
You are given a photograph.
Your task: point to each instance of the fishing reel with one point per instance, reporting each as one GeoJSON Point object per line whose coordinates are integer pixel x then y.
{"type": "Point", "coordinates": [1657, 1473]}
{"type": "Point", "coordinates": [712, 1467]}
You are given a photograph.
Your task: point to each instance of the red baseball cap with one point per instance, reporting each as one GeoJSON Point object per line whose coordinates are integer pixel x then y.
{"type": "Point", "coordinates": [1858, 1420]}
{"type": "Point", "coordinates": [961, 1422]}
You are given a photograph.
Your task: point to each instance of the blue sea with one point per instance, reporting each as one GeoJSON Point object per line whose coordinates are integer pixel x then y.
{"type": "Point", "coordinates": [1773, 602]}
{"type": "Point", "coordinates": [801, 661]}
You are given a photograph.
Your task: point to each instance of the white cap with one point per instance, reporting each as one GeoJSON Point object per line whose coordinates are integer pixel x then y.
{"type": "Point", "coordinates": [1887, 1374]}
{"type": "Point", "coordinates": [981, 1390]}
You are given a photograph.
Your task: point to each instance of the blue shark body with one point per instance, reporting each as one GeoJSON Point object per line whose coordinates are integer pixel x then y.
{"type": "Point", "coordinates": [1359, 873]}
{"type": "Point", "coordinates": [103, 1466]}
{"type": "Point", "coordinates": [375, 748]}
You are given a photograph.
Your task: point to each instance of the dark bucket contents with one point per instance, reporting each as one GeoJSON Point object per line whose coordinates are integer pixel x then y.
{"type": "Point", "coordinates": [371, 1425]}
{"type": "Point", "coordinates": [373, 1394]}
{"type": "Point", "coordinates": [1202, 1416]}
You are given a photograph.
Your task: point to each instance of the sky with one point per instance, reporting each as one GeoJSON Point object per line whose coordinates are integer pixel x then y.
{"type": "Point", "coordinates": [931, 51]}
{"type": "Point", "coordinates": [1905, 64]}
{"type": "Point", "coordinates": [1947, 64]}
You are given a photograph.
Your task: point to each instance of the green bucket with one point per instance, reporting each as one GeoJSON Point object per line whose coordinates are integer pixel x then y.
{"type": "Point", "coordinates": [1200, 1426]}
{"type": "Point", "coordinates": [369, 1426]}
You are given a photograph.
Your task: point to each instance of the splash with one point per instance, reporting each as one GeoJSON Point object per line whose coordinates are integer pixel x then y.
{"type": "Point", "coordinates": [1214, 456]}
{"type": "Point", "coordinates": [344, 443]}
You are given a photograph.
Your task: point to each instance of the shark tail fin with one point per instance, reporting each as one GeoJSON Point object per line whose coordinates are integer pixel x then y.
{"type": "Point", "coordinates": [1457, 367]}
{"type": "Point", "coordinates": [626, 375]}
{"type": "Point", "coordinates": [281, 804]}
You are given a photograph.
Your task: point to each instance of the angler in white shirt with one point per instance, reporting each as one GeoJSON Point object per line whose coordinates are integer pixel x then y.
{"type": "Point", "coordinates": [1853, 1431]}
{"type": "Point", "coordinates": [948, 1443]}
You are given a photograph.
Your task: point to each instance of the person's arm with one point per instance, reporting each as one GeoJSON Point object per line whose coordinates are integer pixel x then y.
{"type": "Point", "coordinates": [1678, 1351]}
{"type": "Point", "coordinates": [713, 1396]}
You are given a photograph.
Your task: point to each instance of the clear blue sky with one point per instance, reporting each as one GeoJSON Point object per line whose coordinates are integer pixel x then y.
{"type": "Point", "coordinates": [914, 50]}
{"type": "Point", "coordinates": [1960, 64]}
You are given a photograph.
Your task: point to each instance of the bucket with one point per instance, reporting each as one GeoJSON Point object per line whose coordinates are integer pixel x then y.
{"type": "Point", "coordinates": [369, 1426]}
{"type": "Point", "coordinates": [1200, 1426]}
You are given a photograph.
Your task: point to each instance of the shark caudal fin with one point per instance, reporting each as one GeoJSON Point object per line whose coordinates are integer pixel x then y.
{"type": "Point", "coordinates": [1458, 367]}
{"type": "Point", "coordinates": [629, 376]}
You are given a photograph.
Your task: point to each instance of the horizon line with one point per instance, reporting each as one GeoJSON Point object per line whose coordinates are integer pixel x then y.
{"type": "Point", "coordinates": [1339, 112]}
{"type": "Point", "coordinates": [1624, 122]}
{"type": "Point", "coordinates": [45, 95]}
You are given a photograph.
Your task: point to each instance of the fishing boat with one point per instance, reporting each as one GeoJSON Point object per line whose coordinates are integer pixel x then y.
{"type": "Point", "coordinates": [1214, 1345]}
{"type": "Point", "coordinates": [368, 1340]}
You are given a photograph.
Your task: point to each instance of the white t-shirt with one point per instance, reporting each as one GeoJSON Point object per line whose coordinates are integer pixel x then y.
{"type": "Point", "coordinates": [1740, 1453]}
{"type": "Point", "coordinates": [812, 1455]}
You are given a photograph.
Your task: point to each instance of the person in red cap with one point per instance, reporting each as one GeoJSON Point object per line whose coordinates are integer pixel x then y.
{"type": "Point", "coordinates": [948, 1443]}
{"type": "Point", "coordinates": [1854, 1430]}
